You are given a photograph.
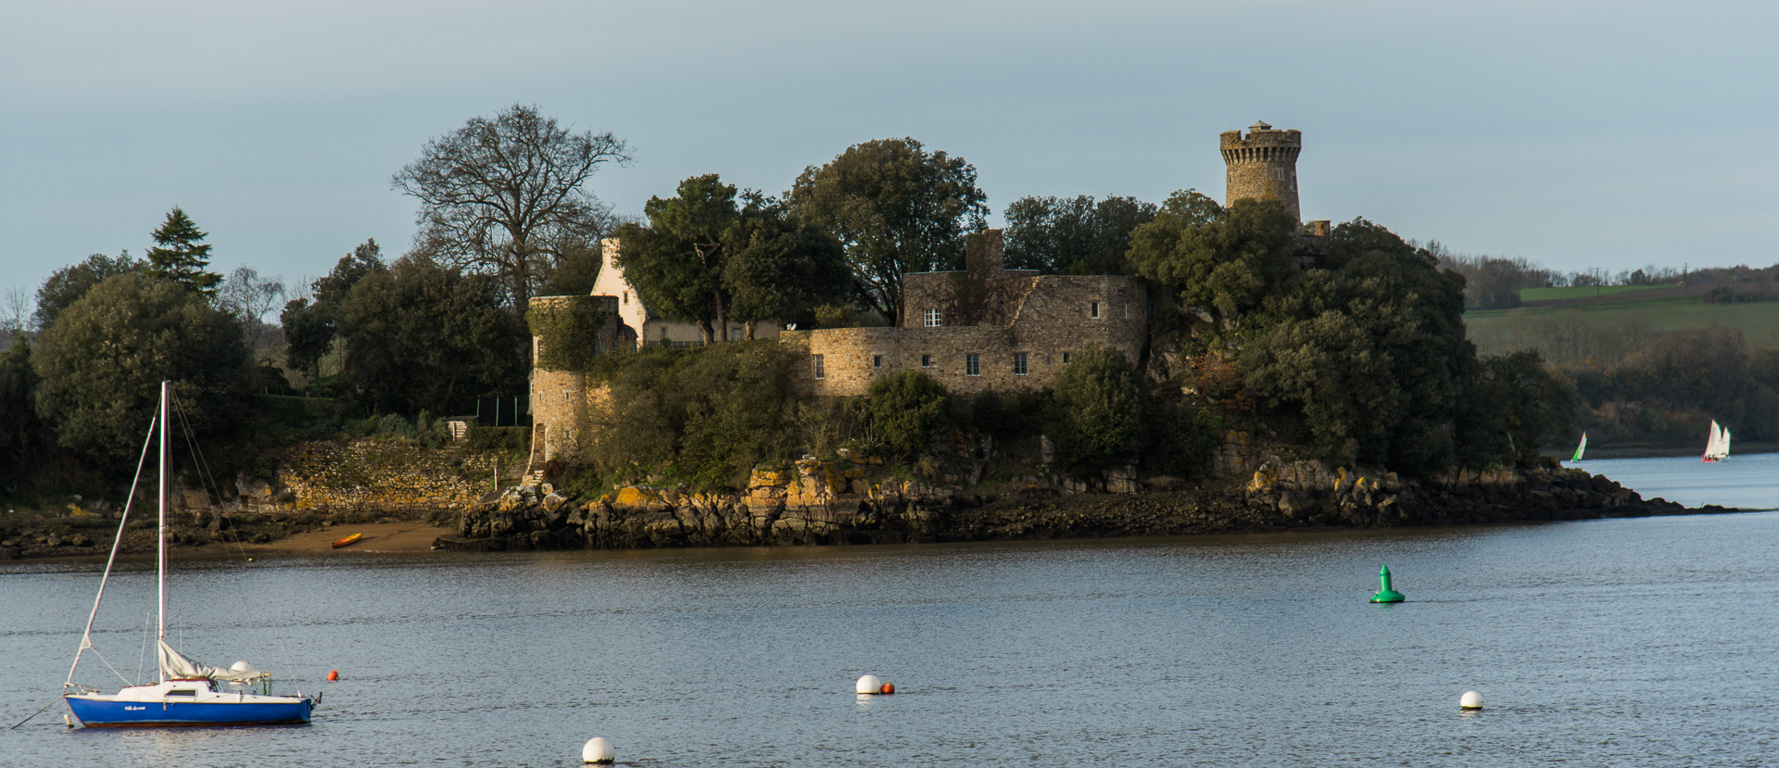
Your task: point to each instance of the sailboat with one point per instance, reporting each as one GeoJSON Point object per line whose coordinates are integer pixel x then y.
{"type": "Point", "coordinates": [1580, 449]}
{"type": "Point", "coordinates": [1717, 444]}
{"type": "Point", "coordinates": [187, 693]}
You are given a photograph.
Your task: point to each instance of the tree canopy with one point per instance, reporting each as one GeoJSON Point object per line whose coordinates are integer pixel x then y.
{"type": "Point", "coordinates": [709, 259]}
{"type": "Point", "coordinates": [1098, 413]}
{"type": "Point", "coordinates": [66, 285]}
{"type": "Point", "coordinates": [895, 208]}
{"type": "Point", "coordinates": [101, 364]}
{"type": "Point", "coordinates": [506, 196]}
{"type": "Point", "coordinates": [1076, 236]}
{"type": "Point", "coordinates": [180, 256]}
{"type": "Point", "coordinates": [312, 324]}
{"type": "Point", "coordinates": [418, 336]}
{"type": "Point", "coordinates": [1225, 260]}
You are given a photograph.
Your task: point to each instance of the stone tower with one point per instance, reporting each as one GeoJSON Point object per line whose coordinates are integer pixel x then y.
{"type": "Point", "coordinates": [1263, 165]}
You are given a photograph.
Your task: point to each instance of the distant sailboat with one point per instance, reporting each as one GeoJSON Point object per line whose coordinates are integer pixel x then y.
{"type": "Point", "coordinates": [1717, 444]}
{"type": "Point", "coordinates": [1580, 449]}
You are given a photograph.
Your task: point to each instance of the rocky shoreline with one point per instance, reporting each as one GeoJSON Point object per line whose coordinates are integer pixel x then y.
{"type": "Point", "coordinates": [851, 501]}
{"type": "Point", "coordinates": [843, 503]}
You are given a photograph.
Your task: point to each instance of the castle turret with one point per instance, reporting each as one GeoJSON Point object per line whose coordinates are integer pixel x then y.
{"type": "Point", "coordinates": [1262, 165]}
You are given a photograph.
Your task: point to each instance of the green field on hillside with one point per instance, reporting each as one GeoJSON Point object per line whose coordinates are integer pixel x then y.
{"type": "Point", "coordinates": [1496, 331]}
{"type": "Point", "coordinates": [1580, 292]}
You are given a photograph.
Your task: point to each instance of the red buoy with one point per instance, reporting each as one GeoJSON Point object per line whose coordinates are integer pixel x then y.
{"type": "Point", "coordinates": [889, 688]}
{"type": "Point", "coordinates": [332, 675]}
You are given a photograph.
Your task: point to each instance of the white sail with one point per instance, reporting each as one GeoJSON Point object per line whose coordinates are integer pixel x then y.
{"type": "Point", "coordinates": [1717, 443]}
{"type": "Point", "coordinates": [1581, 448]}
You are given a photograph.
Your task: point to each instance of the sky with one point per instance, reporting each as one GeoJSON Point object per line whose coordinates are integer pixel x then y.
{"type": "Point", "coordinates": [1577, 135]}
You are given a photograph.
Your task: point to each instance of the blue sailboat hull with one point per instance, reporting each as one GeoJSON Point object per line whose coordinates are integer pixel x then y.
{"type": "Point", "coordinates": [103, 713]}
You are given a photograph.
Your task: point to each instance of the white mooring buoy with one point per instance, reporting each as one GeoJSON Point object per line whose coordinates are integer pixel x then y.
{"type": "Point", "coordinates": [869, 684]}
{"type": "Point", "coordinates": [598, 750]}
{"type": "Point", "coordinates": [1470, 700]}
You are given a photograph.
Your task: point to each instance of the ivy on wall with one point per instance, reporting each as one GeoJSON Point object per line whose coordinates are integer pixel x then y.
{"type": "Point", "coordinates": [568, 330]}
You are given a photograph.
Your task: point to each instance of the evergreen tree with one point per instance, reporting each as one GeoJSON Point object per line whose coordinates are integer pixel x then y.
{"type": "Point", "coordinates": [179, 255]}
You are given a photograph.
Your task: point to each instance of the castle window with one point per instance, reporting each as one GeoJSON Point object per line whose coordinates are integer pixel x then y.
{"type": "Point", "coordinates": [932, 317]}
{"type": "Point", "coordinates": [972, 365]}
{"type": "Point", "coordinates": [626, 297]}
{"type": "Point", "coordinates": [1278, 173]}
{"type": "Point", "coordinates": [1065, 358]}
{"type": "Point", "coordinates": [821, 371]}
{"type": "Point", "coordinates": [1093, 309]}
{"type": "Point", "coordinates": [1127, 310]}
{"type": "Point", "coordinates": [926, 361]}
{"type": "Point", "coordinates": [877, 361]}
{"type": "Point", "coordinates": [1019, 368]}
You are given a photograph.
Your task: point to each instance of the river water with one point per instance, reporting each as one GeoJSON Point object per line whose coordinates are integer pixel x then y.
{"type": "Point", "coordinates": [1640, 642]}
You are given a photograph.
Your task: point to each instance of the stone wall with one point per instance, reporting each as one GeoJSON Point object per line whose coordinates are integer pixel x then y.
{"type": "Point", "coordinates": [1044, 318]}
{"type": "Point", "coordinates": [385, 477]}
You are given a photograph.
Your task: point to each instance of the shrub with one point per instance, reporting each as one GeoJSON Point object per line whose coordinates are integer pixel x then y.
{"type": "Point", "coordinates": [1097, 411]}
{"type": "Point", "coordinates": [907, 408]}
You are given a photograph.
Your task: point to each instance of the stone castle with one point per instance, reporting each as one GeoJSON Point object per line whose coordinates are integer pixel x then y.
{"type": "Point", "coordinates": [982, 328]}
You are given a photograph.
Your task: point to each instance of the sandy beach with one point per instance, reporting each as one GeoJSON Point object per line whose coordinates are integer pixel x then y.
{"type": "Point", "coordinates": [378, 537]}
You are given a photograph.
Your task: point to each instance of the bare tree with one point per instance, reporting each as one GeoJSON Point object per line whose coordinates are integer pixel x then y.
{"type": "Point", "coordinates": [15, 306]}
{"type": "Point", "coordinates": [504, 196]}
{"type": "Point", "coordinates": [249, 297]}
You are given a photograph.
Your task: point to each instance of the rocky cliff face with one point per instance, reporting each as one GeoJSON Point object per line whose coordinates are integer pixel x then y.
{"type": "Point", "coordinates": [819, 502]}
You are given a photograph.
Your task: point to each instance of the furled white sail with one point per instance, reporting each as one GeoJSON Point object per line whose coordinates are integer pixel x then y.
{"type": "Point", "coordinates": [174, 665]}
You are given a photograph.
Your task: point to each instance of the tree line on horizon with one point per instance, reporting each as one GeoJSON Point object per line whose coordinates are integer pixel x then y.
{"type": "Point", "coordinates": [504, 214]}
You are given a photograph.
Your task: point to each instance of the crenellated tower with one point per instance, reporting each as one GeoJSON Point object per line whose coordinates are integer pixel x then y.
{"type": "Point", "coordinates": [1262, 165]}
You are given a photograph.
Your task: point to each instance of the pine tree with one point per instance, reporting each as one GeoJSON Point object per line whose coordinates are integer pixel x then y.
{"type": "Point", "coordinates": [180, 255]}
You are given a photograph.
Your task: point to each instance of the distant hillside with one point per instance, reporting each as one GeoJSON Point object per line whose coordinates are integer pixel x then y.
{"type": "Point", "coordinates": [1653, 364]}
{"type": "Point", "coordinates": [1573, 324]}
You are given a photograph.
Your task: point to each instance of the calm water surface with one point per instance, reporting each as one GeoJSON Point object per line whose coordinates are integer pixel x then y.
{"type": "Point", "coordinates": [1647, 642]}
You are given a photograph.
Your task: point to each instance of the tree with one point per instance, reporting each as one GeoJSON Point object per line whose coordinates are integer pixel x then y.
{"type": "Point", "coordinates": [180, 256]}
{"type": "Point", "coordinates": [1370, 357]}
{"type": "Point", "coordinates": [66, 285]}
{"type": "Point", "coordinates": [1057, 235]}
{"type": "Point", "coordinates": [312, 324]}
{"type": "Point", "coordinates": [20, 430]}
{"type": "Point", "coordinates": [705, 259]}
{"type": "Point", "coordinates": [1226, 260]}
{"type": "Point", "coordinates": [249, 297]}
{"type": "Point", "coordinates": [505, 196]}
{"type": "Point", "coordinates": [896, 209]}
{"type": "Point", "coordinates": [907, 409]}
{"type": "Point", "coordinates": [101, 364]}
{"type": "Point", "coordinates": [419, 337]}
{"type": "Point", "coordinates": [1097, 414]}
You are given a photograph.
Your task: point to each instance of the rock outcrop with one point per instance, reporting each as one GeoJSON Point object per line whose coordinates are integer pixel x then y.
{"type": "Point", "coordinates": [817, 502]}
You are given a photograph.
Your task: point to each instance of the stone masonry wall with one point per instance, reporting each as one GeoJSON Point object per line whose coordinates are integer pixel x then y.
{"type": "Point", "coordinates": [1053, 316]}
{"type": "Point", "coordinates": [1262, 165]}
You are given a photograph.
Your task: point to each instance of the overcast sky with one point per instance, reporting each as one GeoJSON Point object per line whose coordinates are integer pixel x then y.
{"type": "Point", "coordinates": [1577, 135]}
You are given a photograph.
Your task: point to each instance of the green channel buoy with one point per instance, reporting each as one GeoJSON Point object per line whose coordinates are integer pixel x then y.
{"type": "Point", "coordinates": [1385, 594]}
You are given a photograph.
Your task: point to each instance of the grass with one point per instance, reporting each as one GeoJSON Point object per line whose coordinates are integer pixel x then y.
{"type": "Point", "coordinates": [1582, 291]}
{"type": "Point", "coordinates": [1758, 321]}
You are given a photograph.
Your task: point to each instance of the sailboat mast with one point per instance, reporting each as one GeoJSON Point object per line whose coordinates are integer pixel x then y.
{"type": "Point", "coordinates": [161, 529]}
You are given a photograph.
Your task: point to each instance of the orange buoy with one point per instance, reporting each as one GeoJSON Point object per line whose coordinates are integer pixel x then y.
{"type": "Point", "coordinates": [332, 675]}
{"type": "Point", "coordinates": [889, 688]}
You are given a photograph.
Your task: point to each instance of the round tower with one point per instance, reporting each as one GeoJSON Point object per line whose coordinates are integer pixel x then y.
{"type": "Point", "coordinates": [1262, 165]}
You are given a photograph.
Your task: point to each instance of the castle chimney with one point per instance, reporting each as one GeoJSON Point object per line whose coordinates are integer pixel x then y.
{"type": "Point", "coordinates": [982, 252]}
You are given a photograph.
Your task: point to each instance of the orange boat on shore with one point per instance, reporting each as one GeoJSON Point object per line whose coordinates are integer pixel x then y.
{"type": "Point", "coordinates": [348, 541]}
